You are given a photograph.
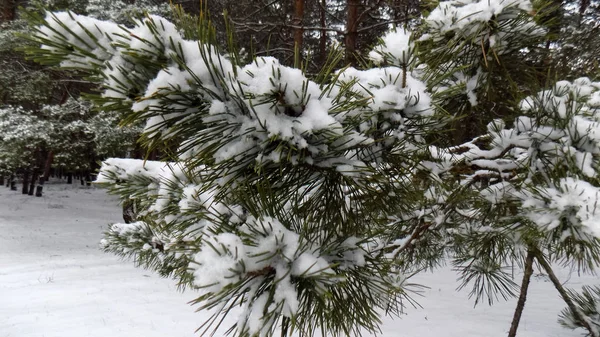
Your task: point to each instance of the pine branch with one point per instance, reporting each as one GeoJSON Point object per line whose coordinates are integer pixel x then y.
{"type": "Point", "coordinates": [527, 272]}
{"type": "Point", "coordinates": [579, 316]}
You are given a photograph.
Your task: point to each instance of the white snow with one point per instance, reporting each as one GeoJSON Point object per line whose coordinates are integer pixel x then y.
{"type": "Point", "coordinates": [55, 282]}
{"type": "Point", "coordinates": [396, 46]}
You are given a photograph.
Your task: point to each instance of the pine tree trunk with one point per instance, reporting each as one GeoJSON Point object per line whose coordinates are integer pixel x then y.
{"type": "Point", "coordinates": [40, 187]}
{"type": "Point", "coordinates": [69, 178]}
{"type": "Point", "coordinates": [13, 183]}
{"type": "Point", "coordinates": [34, 177]}
{"type": "Point", "coordinates": [579, 316]}
{"type": "Point", "coordinates": [523, 295]}
{"type": "Point", "coordinates": [1, 180]}
{"type": "Point", "coordinates": [48, 165]}
{"type": "Point", "coordinates": [351, 31]}
{"type": "Point", "coordinates": [323, 36]}
{"type": "Point", "coordinates": [25, 188]}
{"type": "Point", "coordinates": [298, 31]}
{"type": "Point", "coordinates": [8, 11]}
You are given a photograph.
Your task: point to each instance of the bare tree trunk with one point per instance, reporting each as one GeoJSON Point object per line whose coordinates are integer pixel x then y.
{"type": "Point", "coordinates": [298, 31]}
{"type": "Point", "coordinates": [40, 187]}
{"type": "Point", "coordinates": [323, 33]}
{"type": "Point", "coordinates": [48, 165]}
{"type": "Point", "coordinates": [565, 296]}
{"type": "Point", "coordinates": [13, 182]}
{"type": "Point", "coordinates": [351, 31]}
{"type": "Point", "coordinates": [34, 177]}
{"type": "Point", "coordinates": [69, 178]}
{"type": "Point", "coordinates": [25, 188]}
{"type": "Point", "coordinates": [523, 295]}
{"type": "Point", "coordinates": [1, 180]}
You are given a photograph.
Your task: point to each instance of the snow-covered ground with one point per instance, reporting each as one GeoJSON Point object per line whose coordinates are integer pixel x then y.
{"type": "Point", "coordinates": [55, 282]}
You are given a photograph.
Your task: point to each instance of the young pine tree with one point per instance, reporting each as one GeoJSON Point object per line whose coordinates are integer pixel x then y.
{"type": "Point", "coordinates": [304, 204]}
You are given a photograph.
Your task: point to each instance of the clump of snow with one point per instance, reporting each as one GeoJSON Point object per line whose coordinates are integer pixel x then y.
{"type": "Point", "coordinates": [572, 202]}
{"type": "Point", "coordinates": [458, 14]}
{"type": "Point", "coordinates": [396, 48]}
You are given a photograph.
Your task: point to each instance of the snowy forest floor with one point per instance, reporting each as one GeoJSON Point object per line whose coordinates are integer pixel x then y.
{"type": "Point", "coordinates": [55, 282]}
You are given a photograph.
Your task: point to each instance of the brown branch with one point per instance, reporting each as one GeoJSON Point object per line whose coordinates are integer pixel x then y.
{"type": "Point", "coordinates": [563, 293]}
{"type": "Point", "coordinates": [523, 294]}
{"type": "Point", "coordinates": [416, 234]}
{"type": "Point", "coordinates": [286, 25]}
{"type": "Point", "coordinates": [368, 10]}
{"type": "Point", "coordinates": [377, 25]}
{"type": "Point", "coordinates": [261, 272]}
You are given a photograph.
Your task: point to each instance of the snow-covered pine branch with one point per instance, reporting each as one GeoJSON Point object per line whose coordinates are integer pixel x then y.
{"type": "Point", "coordinates": [301, 200]}
{"type": "Point", "coordinates": [280, 182]}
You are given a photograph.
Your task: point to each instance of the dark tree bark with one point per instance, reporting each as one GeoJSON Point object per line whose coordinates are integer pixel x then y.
{"type": "Point", "coordinates": [13, 183]}
{"type": "Point", "coordinates": [1, 180]}
{"type": "Point", "coordinates": [25, 188]}
{"type": "Point", "coordinates": [323, 33]}
{"type": "Point", "coordinates": [8, 10]}
{"type": "Point", "coordinates": [34, 177]}
{"type": "Point", "coordinates": [298, 31]}
{"type": "Point", "coordinates": [48, 165]}
{"type": "Point", "coordinates": [69, 178]}
{"type": "Point", "coordinates": [40, 187]}
{"type": "Point", "coordinates": [351, 31]}
{"type": "Point", "coordinates": [523, 295]}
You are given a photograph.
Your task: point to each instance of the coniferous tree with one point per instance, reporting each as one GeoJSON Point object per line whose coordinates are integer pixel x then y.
{"type": "Point", "coordinates": [308, 202]}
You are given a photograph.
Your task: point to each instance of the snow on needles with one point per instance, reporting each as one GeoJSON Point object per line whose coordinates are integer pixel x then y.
{"type": "Point", "coordinates": [459, 14]}
{"type": "Point", "coordinates": [557, 136]}
{"type": "Point", "coordinates": [396, 48]}
{"type": "Point", "coordinates": [266, 112]}
{"type": "Point", "coordinates": [572, 203]}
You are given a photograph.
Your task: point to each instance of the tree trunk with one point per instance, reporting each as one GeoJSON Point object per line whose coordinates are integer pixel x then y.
{"type": "Point", "coordinates": [48, 165]}
{"type": "Point", "coordinates": [34, 177]}
{"type": "Point", "coordinates": [25, 188]}
{"type": "Point", "coordinates": [323, 36]}
{"type": "Point", "coordinates": [1, 180]}
{"type": "Point", "coordinates": [40, 187]}
{"type": "Point", "coordinates": [13, 182]}
{"type": "Point", "coordinates": [8, 12]}
{"type": "Point", "coordinates": [129, 214]}
{"type": "Point", "coordinates": [523, 295]}
{"type": "Point", "coordinates": [298, 31]}
{"type": "Point", "coordinates": [69, 178]}
{"type": "Point", "coordinates": [351, 31]}
{"type": "Point", "coordinates": [565, 296]}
